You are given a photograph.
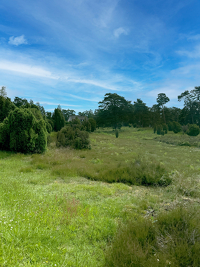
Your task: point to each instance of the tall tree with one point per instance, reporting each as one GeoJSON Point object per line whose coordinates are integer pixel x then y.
{"type": "Point", "coordinates": [68, 112]}
{"type": "Point", "coordinates": [114, 109]}
{"type": "Point", "coordinates": [140, 113]}
{"type": "Point", "coordinates": [162, 99]}
{"type": "Point", "coordinates": [191, 105]}
{"type": "Point", "coordinates": [58, 118]}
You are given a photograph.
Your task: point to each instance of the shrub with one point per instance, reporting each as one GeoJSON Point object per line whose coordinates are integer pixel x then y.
{"type": "Point", "coordinates": [170, 126]}
{"type": "Point", "coordinates": [23, 132]}
{"type": "Point", "coordinates": [176, 127]}
{"type": "Point", "coordinates": [117, 133]}
{"type": "Point", "coordinates": [4, 135]}
{"type": "Point", "coordinates": [86, 125]}
{"type": "Point", "coordinates": [6, 106]}
{"type": "Point", "coordinates": [165, 128]}
{"type": "Point", "coordinates": [184, 128]}
{"type": "Point", "coordinates": [74, 137]}
{"type": "Point", "coordinates": [93, 124]}
{"type": "Point", "coordinates": [159, 129]}
{"type": "Point", "coordinates": [173, 239]}
{"type": "Point", "coordinates": [193, 130]}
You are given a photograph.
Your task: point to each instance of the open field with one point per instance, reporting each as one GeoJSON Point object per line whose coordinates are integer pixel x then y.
{"type": "Point", "coordinates": [56, 211]}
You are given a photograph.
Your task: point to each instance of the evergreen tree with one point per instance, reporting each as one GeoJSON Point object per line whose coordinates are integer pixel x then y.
{"type": "Point", "coordinates": [58, 119]}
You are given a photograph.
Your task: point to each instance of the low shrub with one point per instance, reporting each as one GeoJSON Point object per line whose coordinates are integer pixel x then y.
{"type": "Point", "coordinates": [165, 128]}
{"type": "Point", "coordinates": [159, 129]}
{"type": "Point", "coordinates": [117, 133]}
{"type": "Point", "coordinates": [73, 137]}
{"type": "Point", "coordinates": [173, 239]}
{"type": "Point", "coordinates": [193, 130]}
{"type": "Point", "coordinates": [93, 124]}
{"type": "Point", "coordinates": [176, 128]}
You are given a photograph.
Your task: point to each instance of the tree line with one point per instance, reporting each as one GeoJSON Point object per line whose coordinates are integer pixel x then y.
{"type": "Point", "coordinates": [24, 125]}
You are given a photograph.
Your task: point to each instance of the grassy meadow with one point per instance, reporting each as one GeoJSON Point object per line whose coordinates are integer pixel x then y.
{"type": "Point", "coordinates": [65, 208]}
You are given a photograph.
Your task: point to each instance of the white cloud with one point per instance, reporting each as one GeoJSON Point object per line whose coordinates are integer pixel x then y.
{"type": "Point", "coordinates": [26, 69]}
{"type": "Point", "coordinates": [17, 40]}
{"type": "Point", "coordinates": [120, 31]}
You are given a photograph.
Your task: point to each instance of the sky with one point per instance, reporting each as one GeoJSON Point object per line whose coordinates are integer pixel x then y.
{"type": "Point", "coordinates": [72, 52]}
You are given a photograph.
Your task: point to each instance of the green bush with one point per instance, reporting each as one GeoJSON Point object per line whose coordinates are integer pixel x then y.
{"type": "Point", "coordinates": [6, 106]}
{"type": "Point", "coordinates": [176, 128]}
{"type": "Point", "coordinates": [193, 130]}
{"type": "Point", "coordinates": [74, 137]}
{"type": "Point", "coordinates": [23, 132]}
{"type": "Point", "coordinates": [159, 129]}
{"type": "Point", "coordinates": [4, 135]}
{"type": "Point", "coordinates": [165, 128]}
{"type": "Point", "coordinates": [173, 239]}
{"type": "Point", "coordinates": [170, 126]}
{"type": "Point", "coordinates": [93, 124]}
{"type": "Point", "coordinates": [86, 125]}
{"type": "Point", "coordinates": [117, 133]}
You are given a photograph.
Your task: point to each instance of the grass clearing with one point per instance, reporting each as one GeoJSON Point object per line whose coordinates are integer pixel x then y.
{"type": "Point", "coordinates": [52, 215]}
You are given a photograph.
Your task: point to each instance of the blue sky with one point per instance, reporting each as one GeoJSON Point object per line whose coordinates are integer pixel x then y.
{"type": "Point", "coordinates": [73, 52]}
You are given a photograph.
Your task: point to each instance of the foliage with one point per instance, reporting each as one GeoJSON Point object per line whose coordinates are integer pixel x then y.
{"type": "Point", "coordinates": [23, 132]}
{"type": "Point", "coordinates": [140, 113]}
{"type": "Point", "coordinates": [193, 130]}
{"type": "Point", "coordinates": [93, 124]}
{"type": "Point", "coordinates": [73, 137]}
{"type": "Point", "coordinates": [113, 109]}
{"type": "Point", "coordinates": [173, 239]}
{"type": "Point", "coordinates": [191, 111]}
{"type": "Point", "coordinates": [58, 119]}
{"type": "Point", "coordinates": [165, 128]}
{"type": "Point", "coordinates": [159, 129]}
{"type": "Point", "coordinates": [3, 92]}
{"type": "Point", "coordinates": [6, 106]}
{"type": "Point", "coordinates": [176, 127]}
{"type": "Point", "coordinates": [68, 112]}
{"type": "Point", "coordinates": [86, 125]}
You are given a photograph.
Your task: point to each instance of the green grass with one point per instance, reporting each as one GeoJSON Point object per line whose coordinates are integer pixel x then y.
{"type": "Point", "coordinates": [52, 215]}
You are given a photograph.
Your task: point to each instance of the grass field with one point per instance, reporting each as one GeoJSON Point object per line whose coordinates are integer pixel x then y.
{"type": "Point", "coordinates": [55, 210]}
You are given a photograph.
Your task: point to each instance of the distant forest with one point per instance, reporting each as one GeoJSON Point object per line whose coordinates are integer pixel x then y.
{"type": "Point", "coordinates": [115, 111]}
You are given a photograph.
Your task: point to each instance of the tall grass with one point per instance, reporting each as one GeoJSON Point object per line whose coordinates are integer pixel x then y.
{"type": "Point", "coordinates": [172, 239]}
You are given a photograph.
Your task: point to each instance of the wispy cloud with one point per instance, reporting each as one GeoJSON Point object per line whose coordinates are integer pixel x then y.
{"type": "Point", "coordinates": [120, 31]}
{"type": "Point", "coordinates": [17, 40]}
{"type": "Point", "coordinates": [26, 69]}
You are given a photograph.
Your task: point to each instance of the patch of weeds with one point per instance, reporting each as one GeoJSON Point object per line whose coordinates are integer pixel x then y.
{"type": "Point", "coordinates": [173, 239]}
{"type": "Point", "coordinates": [139, 172]}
